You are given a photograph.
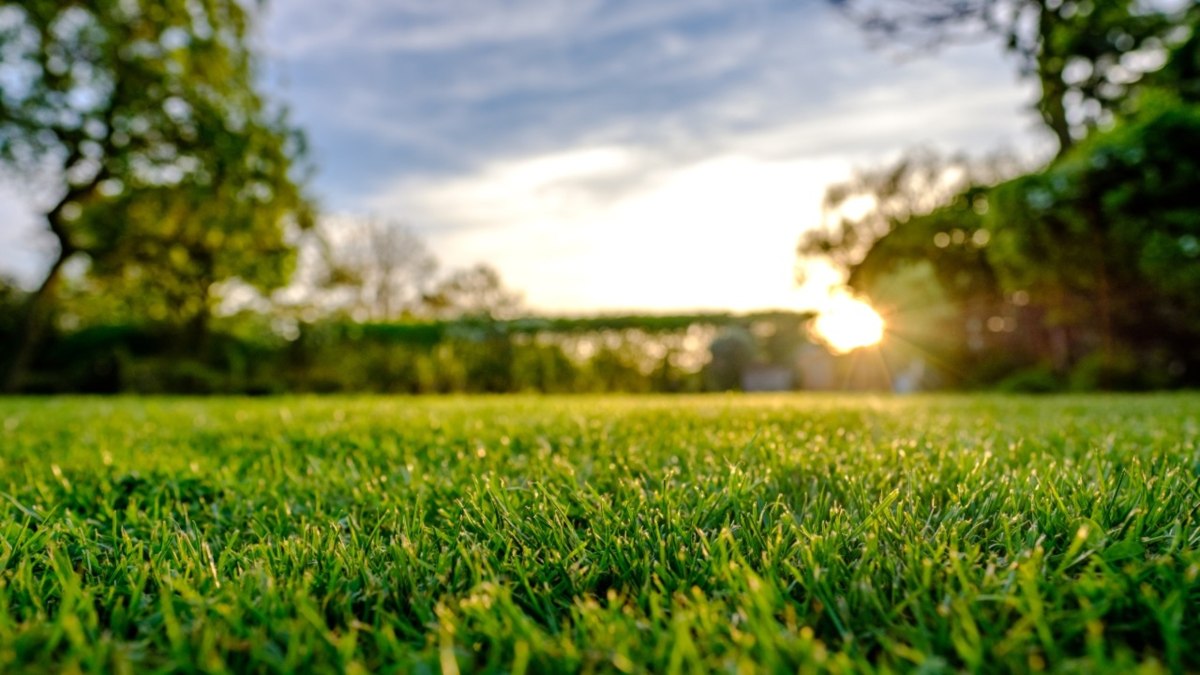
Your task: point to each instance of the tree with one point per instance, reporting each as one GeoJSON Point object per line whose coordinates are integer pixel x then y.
{"type": "Point", "coordinates": [373, 269]}
{"type": "Point", "coordinates": [1084, 54]}
{"type": "Point", "coordinates": [730, 354]}
{"type": "Point", "coordinates": [161, 160]}
{"type": "Point", "coordinates": [1090, 256]}
{"type": "Point", "coordinates": [380, 270]}
{"type": "Point", "coordinates": [862, 210]}
{"type": "Point", "coordinates": [1181, 73]}
{"type": "Point", "coordinates": [1109, 237]}
{"type": "Point", "coordinates": [931, 276]}
{"type": "Point", "coordinates": [473, 292]}
{"type": "Point", "coordinates": [1093, 261]}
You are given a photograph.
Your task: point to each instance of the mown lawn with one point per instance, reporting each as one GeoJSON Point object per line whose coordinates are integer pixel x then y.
{"type": "Point", "coordinates": [600, 534]}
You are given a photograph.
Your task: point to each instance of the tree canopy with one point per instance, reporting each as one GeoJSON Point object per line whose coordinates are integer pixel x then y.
{"type": "Point", "coordinates": [156, 159]}
{"type": "Point", "coordinates": [1087, 265]}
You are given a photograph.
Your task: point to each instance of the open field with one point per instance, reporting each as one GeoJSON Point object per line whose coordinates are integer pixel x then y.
{"type": "Point", "coordinates": [594, 534]}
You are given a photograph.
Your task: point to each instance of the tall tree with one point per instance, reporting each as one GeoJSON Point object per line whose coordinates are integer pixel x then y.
{"type": "Point", "coordinates": [1084, 54]}
{"type": "Point", "coordinates": [161, 157]}
{"type": "Point", "coordinates": [1109, 237]}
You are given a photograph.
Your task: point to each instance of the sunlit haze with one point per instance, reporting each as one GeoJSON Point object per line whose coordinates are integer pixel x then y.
{"type": "Point", "coordinates": [845, 324]}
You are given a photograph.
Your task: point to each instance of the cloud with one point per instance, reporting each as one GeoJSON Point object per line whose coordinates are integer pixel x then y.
{"type": "Point", "coordinates": [525, 77]}
{"type": "Point", "coordinates": [564, 139]}
{"type": "Point", "coordinates": [546, 187]}
{"type": "Point", "coordinates": [710, 222]}
{"type": "Point", "coordinates": [588, 228]}
{"type": "Point", "coordinates": [310, 29]}
{"type": "Point", "coordinates": [372, 26]}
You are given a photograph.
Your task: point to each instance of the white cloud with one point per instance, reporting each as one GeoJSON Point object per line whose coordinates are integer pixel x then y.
{"type": "Point", "coordinates": [617, 228]}
{"type": "Point", "coordinates": [709, 222]}
{"type": "Point", "coordinates": [544, 187]}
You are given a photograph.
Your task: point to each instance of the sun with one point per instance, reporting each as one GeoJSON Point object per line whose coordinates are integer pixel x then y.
{"type": "Point", "coordinates": [846, 324]}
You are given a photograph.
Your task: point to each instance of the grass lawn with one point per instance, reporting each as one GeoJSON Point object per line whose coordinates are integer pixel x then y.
{"type": "Point", "coordinates": [600, 534]}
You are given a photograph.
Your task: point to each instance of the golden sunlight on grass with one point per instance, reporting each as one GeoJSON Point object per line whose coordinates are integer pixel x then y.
{"type": "Point", "coordinates": [846, 324]}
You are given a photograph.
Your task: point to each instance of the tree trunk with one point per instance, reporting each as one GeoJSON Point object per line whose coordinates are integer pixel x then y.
{"type": "Point", "coordinates": [33, 324]}
{"type": "Point", "coordinates": [1051, 104]}
{"type": "Point", "coordinates": [1103, 286]}
{"type": "Point", "coordinates": [196, 335]}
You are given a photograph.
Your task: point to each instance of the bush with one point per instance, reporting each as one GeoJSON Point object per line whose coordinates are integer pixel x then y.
{"type": "Point", "coordinates": [1108, 372]}
{"type": "Point", "coordinates": [1035, 380]}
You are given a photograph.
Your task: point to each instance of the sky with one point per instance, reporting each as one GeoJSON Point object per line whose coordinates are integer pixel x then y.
{"type": "Point", "coordinates": [607, 155]}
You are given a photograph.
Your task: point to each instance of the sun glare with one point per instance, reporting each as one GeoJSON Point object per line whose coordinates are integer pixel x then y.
{"type": "Point", "coordinates": [846, 324]}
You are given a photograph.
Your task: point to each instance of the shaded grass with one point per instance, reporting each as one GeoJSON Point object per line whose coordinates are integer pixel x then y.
{"type": "Point", "coordinates": [600, 534]}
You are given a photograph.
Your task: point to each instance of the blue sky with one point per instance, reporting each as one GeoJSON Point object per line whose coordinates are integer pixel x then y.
{"type": "Point", "coordinates": [608, 155]}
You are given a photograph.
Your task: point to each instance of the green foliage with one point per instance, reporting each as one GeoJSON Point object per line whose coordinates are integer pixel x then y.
{"type": "Point", "coordinates": [1119, 371]}
{"type": "Point", "coordinates": [951, 238]}
{"type": "Point", "coordinates": [592, 534]}
{"type": "Point", "coordinates": [1089, 266]}
{"type": "Point", "coordinates": [1035, 380]}
{"type": "Point", "coordinates": [1098, 253]}
{"type": "Point", "coordinates": [1085, 55]}
{"type": "Point", "coordinates": [1181, 73]}
{"type": "Point", "coordinates": [11, 300]}
{"type": "Point", "coordinates": [168, 171]}
{"type": "Point", "coordinates": [1108, 239]}
{"type": "Point", "coordinates": [476, 292]}
{"type": "Point", "coordinates": [915, 185]}
{"type": "Point", "coordinates": [254, 353]}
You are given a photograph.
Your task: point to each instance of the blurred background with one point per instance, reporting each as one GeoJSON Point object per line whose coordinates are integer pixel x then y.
{"type": "Point", "coordinates": [222, 196]}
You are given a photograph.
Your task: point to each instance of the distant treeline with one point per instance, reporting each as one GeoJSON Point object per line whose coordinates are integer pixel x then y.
{"type": "Point", "coordinates": [678, 353]}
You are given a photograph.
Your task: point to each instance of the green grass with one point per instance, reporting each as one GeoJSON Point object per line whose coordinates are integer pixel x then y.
{"type": "Point", "coordinates": [600, 534]}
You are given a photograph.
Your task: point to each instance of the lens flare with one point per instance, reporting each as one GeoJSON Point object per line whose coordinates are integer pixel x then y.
{"type": "Point", "coordinates": [846, 324]}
